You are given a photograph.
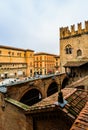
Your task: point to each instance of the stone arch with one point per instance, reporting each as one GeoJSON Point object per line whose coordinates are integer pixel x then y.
{"type": "Point", "coordinates": [27, 87]}
{"type": "Point", "coordinates": [23, 91]}
{"type": "Point", "coordinates": [31, 96]}
{"type": "Point", "coordinates": [52, 88]}
{"type": "Point", "coordinates": [65, 82]}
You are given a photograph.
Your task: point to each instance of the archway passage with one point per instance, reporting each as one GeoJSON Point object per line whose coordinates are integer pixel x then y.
{"type": "Point", "coordinates": [65, 82]}
{"type": "Point", "coordinates": [31, 97]}
{"type": "Point", "coordinates": [53, 88]}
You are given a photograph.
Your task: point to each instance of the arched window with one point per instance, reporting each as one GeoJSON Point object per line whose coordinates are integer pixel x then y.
{"type": "Point", "coordinates": [68, 49]}
{"type": "Point", "coordinates": [79, 52]}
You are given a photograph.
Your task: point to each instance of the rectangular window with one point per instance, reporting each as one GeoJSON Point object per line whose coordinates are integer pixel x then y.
{"type": "Point", "coordinates": [12, 53]}
{"type": "Point", "coordinates": [0, 52]}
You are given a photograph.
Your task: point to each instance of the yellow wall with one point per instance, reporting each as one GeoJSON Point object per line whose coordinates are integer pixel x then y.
{"type": "Point", "coordinates": [15, 61]}
{"type": "Point", "coordinates": [44, 63]}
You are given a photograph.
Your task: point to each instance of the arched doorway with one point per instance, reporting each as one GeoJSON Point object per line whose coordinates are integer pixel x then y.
{"type": "Point", "coordinates": [31, 97]}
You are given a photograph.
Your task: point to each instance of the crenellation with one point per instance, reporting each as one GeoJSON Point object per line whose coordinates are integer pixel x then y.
{"type": "Point", "coordinates": [86, 26]}
{"type": "Point", "coordinates": [65, 31]}
{"type": "Point", "coordinates": [79, 28]}
{"type": "Point", "coordinates": [73, 29]}
{"type": "Point", "coordinates": [61, 32]}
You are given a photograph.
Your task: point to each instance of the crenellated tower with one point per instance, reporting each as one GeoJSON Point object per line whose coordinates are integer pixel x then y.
{"type": "Point", "coordinates": [65, 32]}
{"type": "Point", "coordinates": [73, 43]}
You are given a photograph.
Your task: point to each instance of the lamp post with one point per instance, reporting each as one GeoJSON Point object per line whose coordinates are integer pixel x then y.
{"type": "Point", "coordinates": [60, 94]}
{"type": "Point", "coordinates": [61, 101]}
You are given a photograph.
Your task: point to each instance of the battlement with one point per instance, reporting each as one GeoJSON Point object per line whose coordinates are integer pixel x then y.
{"type": "Point", "coordinates": [66, 32]}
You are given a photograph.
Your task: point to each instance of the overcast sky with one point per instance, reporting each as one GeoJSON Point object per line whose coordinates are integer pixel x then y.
{"type": "Point", "coordinates": [34, 24]}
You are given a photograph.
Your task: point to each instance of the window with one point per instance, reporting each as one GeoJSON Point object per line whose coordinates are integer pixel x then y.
{"type": "Point", "coordinates": [24, 54]}
{"type": "Point", "coordinates": [30, 55]}
{"type": "Point", "coordinates": [20, 54]}
{"type": "Point", "coordinates": [9, 52]}
{"type": "Point", "coordinates": [30, 64]}
{"type": "Point", "coordinates": [12, 53]}
{"type": "Point", "coordinates": [37, 58]}
{"type": "Point", "coordinates": [68, 49]}
{"type": "Point", "coordinates": [44, 57]}
{"type": "Point", "coordinates": [79, 52]}
{"type": "Point", "coordinates": [40, 58]}
{"type": "Point", "coordinates": [0, 52]}
{"type": "Point", "coordinates": [0, 65]}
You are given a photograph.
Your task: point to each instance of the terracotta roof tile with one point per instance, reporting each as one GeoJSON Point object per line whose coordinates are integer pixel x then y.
{"type": "Point", "coordinates": [53, 98]}
{"type": "Point", "coordinates": [75, 63]}
{"type": "Point", "coordinates": [76, 100]}
{"type": "Point", "coordinates": [45, 53]}
{"type": "Point", "coordinates": [81, 123]}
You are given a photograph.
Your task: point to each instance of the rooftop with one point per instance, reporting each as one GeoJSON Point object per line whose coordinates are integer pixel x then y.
{"type": "Point", "coordinates": [81, 123]}
{"type": "Point", "coordinates": [76, 100]}
{"type": "Point", "coordinates": [75, 63]}
{"type": "Point", "coordinates": [44, 53]}
{"type": "Point", "coordinates": [15, 48]}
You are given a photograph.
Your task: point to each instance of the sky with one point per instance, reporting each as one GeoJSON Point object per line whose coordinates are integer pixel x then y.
{"type": "Point", "coordinates": [35, 24]}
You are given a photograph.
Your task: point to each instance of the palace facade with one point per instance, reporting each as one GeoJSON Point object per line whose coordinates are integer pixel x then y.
{"type": "Point", "coordinates": [45, 63]}
{"type": "Point", "coordinates": [15, 62]}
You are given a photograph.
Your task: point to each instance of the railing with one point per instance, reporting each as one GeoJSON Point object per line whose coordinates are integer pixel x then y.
{"type": "Point", "coordinates": [27, 79]}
